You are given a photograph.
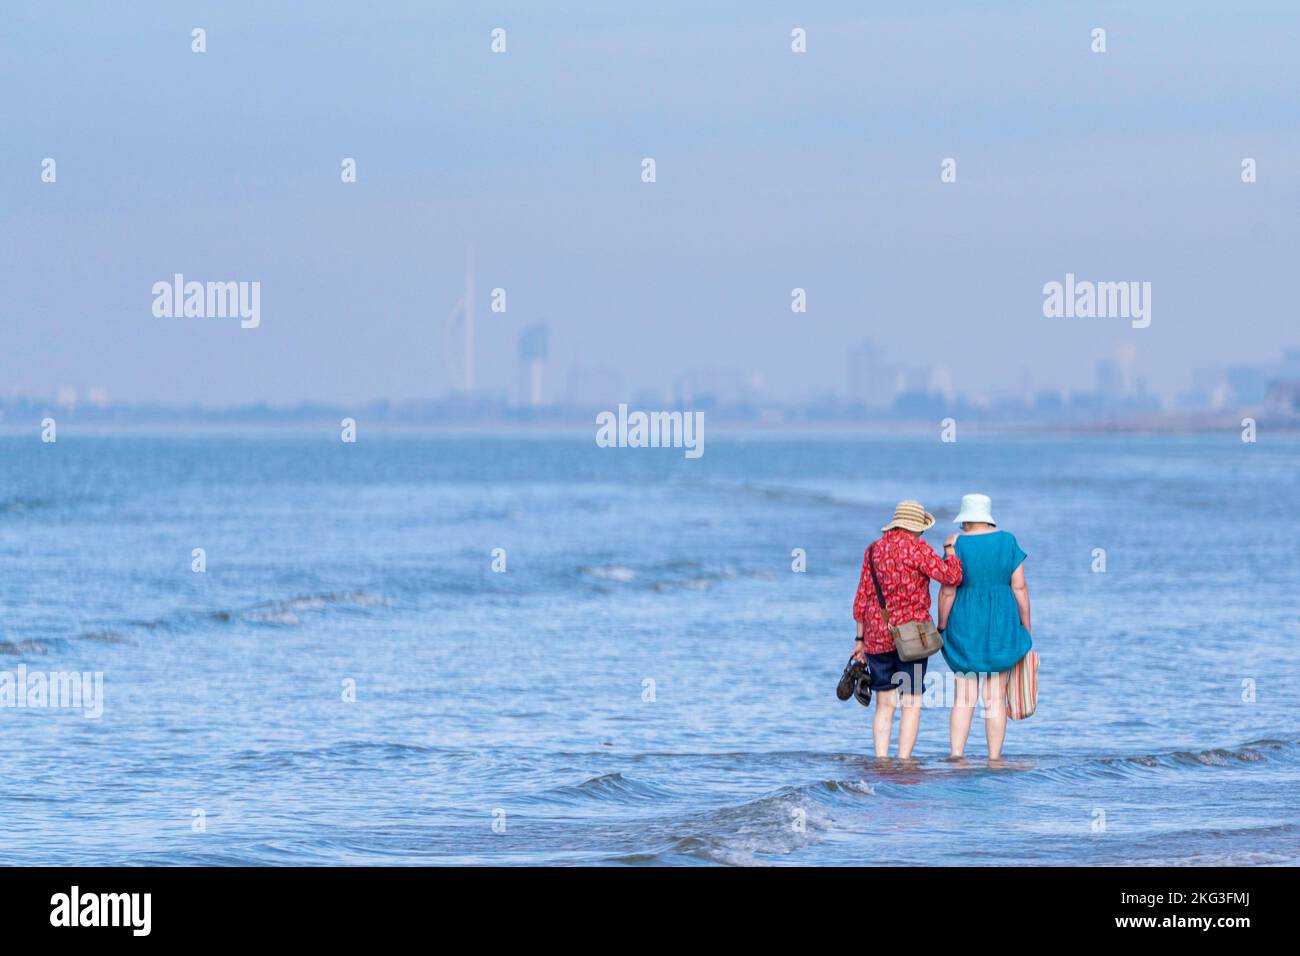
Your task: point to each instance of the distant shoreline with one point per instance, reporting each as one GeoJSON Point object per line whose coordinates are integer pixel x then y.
{"type": "Point", "coordinates": [198, 428]}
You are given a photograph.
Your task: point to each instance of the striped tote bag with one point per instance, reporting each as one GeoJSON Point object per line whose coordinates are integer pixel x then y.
{"type": "Point", "coordinates": [1022, 687]}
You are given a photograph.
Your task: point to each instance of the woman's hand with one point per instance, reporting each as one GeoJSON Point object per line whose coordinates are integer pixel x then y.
{"type": "Point", "coordinates": [951, 542]}
{"type": "Point", "coordinates": [860, 652]}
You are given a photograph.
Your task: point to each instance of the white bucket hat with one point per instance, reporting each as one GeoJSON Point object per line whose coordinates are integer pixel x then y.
{"type": "Point", "coordinates": [975, 508]}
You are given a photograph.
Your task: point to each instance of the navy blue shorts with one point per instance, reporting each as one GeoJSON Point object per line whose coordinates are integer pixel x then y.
{"type": "Point", "coordinates": [888, 671]}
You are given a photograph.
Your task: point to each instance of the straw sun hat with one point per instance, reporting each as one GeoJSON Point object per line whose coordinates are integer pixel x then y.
{"type": "Point", "coordinates": [911, 516]}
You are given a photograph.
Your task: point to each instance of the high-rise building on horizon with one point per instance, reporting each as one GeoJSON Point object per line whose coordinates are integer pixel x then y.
{"type": "Point", "coordinates": [868, 380]}
{"type": "Point", "coordinates": [875, 382]}
{"type": "Point", "coordinates": [533, 348]}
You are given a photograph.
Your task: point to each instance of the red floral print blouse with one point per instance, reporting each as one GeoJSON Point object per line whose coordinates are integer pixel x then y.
{"type": "Point", "coordinates": [904, 566]}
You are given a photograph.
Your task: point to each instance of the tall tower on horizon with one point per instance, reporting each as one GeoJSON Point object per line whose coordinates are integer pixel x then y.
{"type": "Point", "coordinates": [458, 334]}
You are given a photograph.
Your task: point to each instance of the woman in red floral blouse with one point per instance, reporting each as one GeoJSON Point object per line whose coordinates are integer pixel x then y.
{"type": "Point", "coordinates": [904, 567]}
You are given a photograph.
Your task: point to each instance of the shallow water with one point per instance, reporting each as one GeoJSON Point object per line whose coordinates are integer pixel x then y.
{"type": "Point", "coordinates": [1168, 728]}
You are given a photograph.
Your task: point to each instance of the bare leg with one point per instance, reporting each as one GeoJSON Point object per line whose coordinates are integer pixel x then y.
{"type": "Point", "coordinates": [908, 724]}
{"type": "Point", "coordinates": [883, 724]}
{"type": "Point", "coordinates": [963, 708]}
{"type": "Point", "coordinates": [995, 714]}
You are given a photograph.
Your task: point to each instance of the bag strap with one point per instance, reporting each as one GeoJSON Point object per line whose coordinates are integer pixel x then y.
{"type": "Point", "coordinates": [880, 595]}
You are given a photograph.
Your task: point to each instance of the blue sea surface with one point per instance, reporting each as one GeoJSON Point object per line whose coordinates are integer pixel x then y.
{"type": "Point", "coordinates": [648, 681]}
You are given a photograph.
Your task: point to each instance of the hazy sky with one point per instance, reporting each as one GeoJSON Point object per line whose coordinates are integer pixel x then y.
{"type": "Point", "coordinates": [775, 170]}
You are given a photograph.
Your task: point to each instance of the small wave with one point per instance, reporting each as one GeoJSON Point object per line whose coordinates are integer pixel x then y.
{"type": "Point", "coordinates": [1251, 752]}
{"type": "Point", "coordinates": [1135, 765]}
{"type": "Point", "coordinates": [745, 835]}
{"type": "Point", "coordinates": [857, 788]}
{"type": "Point", "coordinates": [689, 584]}
{"type": "Point", "coordinates": [32, 645]}
{"type": "Point", "coordinates": [609, 787]}
{"type": "Point", "coordinates": [1228, 858]}
{"type": "Point", "coordinates": [753, 832]}
{"type": "Point", "coordinates": [282, 618]}
{"type": "Point", "coordinates": [352, 751]}
{"type": "Point", "coordinates": [315, 602]}
{"type": "Point", "coordinates": [610, 573]}
{"type": "Point", "coordinates": [20, 504]}
{"type": "Point", "coordinates": [671, 576]}
{"type": "Point", "coordinates": [105, 637]}
{"type": "Point", "coordinates": [275, 610]}
{"type": "Point", "coordinates": [282, 613]}
{"type": "Point", "coordinates": [778, 493]}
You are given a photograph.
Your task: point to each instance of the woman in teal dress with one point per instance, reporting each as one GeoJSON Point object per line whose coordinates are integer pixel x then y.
{"type": "Point", "coordinates": [985, 622]}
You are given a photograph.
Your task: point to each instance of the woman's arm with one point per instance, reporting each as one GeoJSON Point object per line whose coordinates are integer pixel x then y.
{"type": "Point", "coordinates": [947, 594]}
{"type": "Point", "coordinates": [860, 596]}
{"type": "Point", "coordinates": [860, 610]}
{"type": "Point", "coordinates": [1020, 589]}
{"type": "Point", "coordinates": [945, 570]}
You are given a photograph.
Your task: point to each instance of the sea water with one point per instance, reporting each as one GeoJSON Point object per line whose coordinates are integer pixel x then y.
{"type": "Point", "coordinates": [534, 650]}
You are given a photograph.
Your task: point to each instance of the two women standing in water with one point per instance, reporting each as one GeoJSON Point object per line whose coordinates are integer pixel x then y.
{"type": "Point", "coordinates": [983, 617]}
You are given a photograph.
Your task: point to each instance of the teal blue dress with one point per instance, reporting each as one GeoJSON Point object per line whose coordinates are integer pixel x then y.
{"type": "Point", "coordinates": [984, 633]}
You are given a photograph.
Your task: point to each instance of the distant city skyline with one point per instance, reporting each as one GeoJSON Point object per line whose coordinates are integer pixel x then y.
{"type": "Point", "coordinates": [878, 393]}
{"type": "Point", "coordinates": [872, 381]}
{"type": "Point", "coordinates": [821, 171]}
